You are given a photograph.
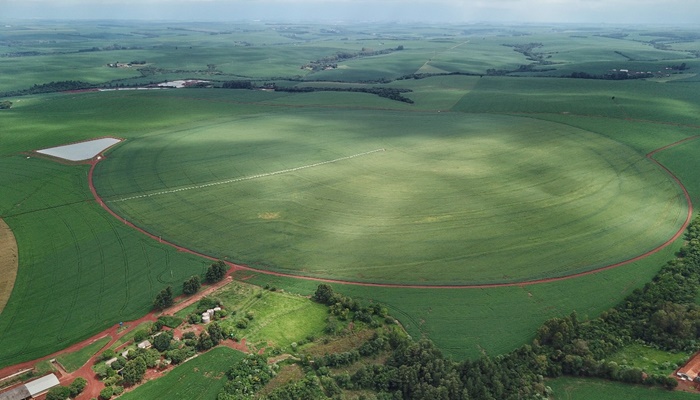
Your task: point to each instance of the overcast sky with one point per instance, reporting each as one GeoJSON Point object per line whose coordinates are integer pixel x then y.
{"type": "Point", "coordinates": [591, 11]}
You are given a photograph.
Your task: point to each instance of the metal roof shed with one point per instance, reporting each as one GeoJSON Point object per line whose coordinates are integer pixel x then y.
{"type": "Point", "coordinates": [41, 385]}
{"type": "Point", "coordinates": [18, 393]}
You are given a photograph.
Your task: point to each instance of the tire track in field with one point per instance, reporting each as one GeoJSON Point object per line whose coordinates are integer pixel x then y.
{"type": "Point", "coordinates": [234, 267]}
{"type": "Point", "coordinates": [79, 269]}
{"type": "Point", "coordinates": [246, 178]}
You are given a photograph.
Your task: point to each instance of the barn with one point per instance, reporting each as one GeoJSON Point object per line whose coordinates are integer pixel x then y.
{"type": "Point", "coordinates": [31, 390]}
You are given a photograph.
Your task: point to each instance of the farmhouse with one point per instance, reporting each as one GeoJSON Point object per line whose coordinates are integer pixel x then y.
{"type": "Point", "coordinates": [31, 390]}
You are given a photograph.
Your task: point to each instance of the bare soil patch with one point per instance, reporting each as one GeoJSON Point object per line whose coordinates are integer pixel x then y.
{"type": "Point", "coordinates": [9, 262]}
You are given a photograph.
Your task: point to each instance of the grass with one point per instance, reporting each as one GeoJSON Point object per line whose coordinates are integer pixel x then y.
{"type": "Point", "coordinates": [200, 378]}
{"type": "Point", "coordinates": [596, 389]}
{"type": "Point", "coordinates": [652, 361]}
{"type": "Point", "coordinates": [278, 318]}
{"type": "Point", "coordinates": [73, 361]}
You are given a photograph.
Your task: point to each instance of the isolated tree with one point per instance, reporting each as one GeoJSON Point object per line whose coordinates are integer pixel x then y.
{"type": "Point", "coordinates": [5, 105]}
{"type": "Point", "coordinates": [216, 272]}
{"type": "Point", "coordinates": [324, 293]}
{"type": "Point", "coordinates": [164, 299]}
{"type": "Point", "coordinates": [192, 285]}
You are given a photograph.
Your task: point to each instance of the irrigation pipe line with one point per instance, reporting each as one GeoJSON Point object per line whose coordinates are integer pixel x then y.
{"type": "Point", "coordinates": [234, 267]}
{"type": "Point", "coordinates": [247, 178]}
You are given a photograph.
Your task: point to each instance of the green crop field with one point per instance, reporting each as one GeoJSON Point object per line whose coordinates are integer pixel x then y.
{"type": "Point", "coordinates": [80, 270]}
{"type": "Point", "coordinates": [200, 378]}
{"type": "Point", "coordinates": [597, 389]}
{"type": "Point", "coordinates": [453, 199]}
{"type": "Point", "coordinates": [482, 179]}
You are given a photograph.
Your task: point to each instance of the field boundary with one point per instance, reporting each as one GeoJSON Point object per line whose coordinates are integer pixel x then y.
{"type": "Point", "coordinates": [9, 263]}
{"type": "Point", "coordinates": [234, 267]}
{"type": "Point", "coordinates": [246, 178]}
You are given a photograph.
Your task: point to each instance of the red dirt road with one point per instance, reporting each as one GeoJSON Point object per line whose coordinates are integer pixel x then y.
{"type": "Point", "coordinates": [234, 267]}
{"type": "Point", "coordinates": [94, 385]}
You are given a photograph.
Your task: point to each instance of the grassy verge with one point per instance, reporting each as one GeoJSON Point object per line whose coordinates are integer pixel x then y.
{"type": "Point", "coordinates": [73, 361]}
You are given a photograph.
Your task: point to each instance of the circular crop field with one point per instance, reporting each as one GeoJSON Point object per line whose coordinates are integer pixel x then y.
{"type": "Point", "coordinates": [384, 197]}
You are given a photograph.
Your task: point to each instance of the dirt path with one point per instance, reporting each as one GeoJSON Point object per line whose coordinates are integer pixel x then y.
{"type": "Point", "coordinates": [94, 385]}
{"type": "Point", "coordinates": [9, 262]}
{"type": "Point", "coordinates": [235, 267]}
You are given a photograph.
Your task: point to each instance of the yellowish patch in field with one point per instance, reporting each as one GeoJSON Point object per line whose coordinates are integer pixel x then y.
{"type": "Point", "coordinates": [434, 218]}
{"type": "Point", "coordinates": [269, 215]}
{"type": "Point", "coordinates": [8, 263]}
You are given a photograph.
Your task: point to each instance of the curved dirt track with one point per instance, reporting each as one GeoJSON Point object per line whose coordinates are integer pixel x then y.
{"type": "Point", "coordinates": [234, 267]}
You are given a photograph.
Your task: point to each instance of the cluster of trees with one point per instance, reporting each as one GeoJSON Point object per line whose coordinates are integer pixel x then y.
{"type": "Point", "coordinates": [5, 105]}
{"type": "Point", "coordinates": [130, 370]}
{"type": "Point", "coordinates": [680, 67]}
{"type": "Point", "coordinates": [246, 377]}
{"type": "Point", "coordinates": [166, 297]}
{"type": "Point", "coordinates": [65, 392]}
{"type": "Point", "coordinates": [51, 87]}
{"type": "Point", "coordinates": [389, 93]}
{"type": "Point", "coordinates": [216, 272]}
{"type": "Point", "coordinates": [614, 76]}
{"type": "Point", "coordinates": [332, 61]}
{"type": "Point", "coordinates": [238, 84]}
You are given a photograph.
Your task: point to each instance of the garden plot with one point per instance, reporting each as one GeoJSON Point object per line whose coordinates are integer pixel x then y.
{"type": "Point", "coordinates": [80, 151]}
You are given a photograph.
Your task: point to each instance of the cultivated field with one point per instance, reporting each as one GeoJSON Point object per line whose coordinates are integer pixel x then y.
{"type": "Point", "coordinates": [452, 199]}
{"type": "Point", "coordinates": [200, 378]}
{"type": "Point", "coordinates": [496, 175]}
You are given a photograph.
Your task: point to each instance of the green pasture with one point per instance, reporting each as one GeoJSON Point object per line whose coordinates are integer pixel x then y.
{"type": "Point", "coordinates": [278, 318]}
{"type": "Point", "coordinates": [598, 389]}
{"type": "Point", "coordinates": [650, 360]}
{"type": "Point", "coordinates": [73, 361]}
{"type": "Point", "coordinates": [200, 378]}
{"type": "Point", "coordinates": [441, 198]}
